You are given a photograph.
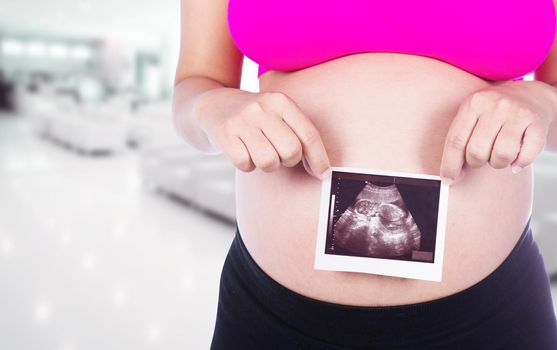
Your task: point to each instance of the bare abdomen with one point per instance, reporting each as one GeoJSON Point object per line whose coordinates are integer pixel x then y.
{"type": "Point", "coordinates": [382, 111]}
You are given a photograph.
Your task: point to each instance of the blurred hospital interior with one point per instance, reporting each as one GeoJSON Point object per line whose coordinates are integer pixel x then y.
{"type": "Point", "coordinates": [113, 230]}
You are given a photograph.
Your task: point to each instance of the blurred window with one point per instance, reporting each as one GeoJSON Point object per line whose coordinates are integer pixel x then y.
{"type": "Point", "coordinates": [36, 49]}
{"type": "Point", "coordinates": [12, 47]}
{"type": "Point", "coordinates": [81, 52]}
{"type": "Point", "coordinates": [58, 50]}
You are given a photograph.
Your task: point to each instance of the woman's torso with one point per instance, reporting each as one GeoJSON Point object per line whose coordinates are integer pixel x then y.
{"type": "Point", "coordinates": [382, 82]}
{"type": "Point", "coordinates": [384, 111]}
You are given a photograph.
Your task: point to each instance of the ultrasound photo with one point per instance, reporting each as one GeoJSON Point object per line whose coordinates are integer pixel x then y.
{"type": "Point", "coordinates": [382, 222]}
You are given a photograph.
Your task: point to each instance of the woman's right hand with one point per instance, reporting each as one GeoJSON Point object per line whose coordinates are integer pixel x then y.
{"type": "Point", "coordinates": [261, 130]}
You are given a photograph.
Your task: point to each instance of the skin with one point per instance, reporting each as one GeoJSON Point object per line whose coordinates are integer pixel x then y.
{"type": "Point", "coordinates": [267, 135]}
{"type": "Point", "coordinates": [491, 124]}
{"type": "Point", "coordinates": [209, 60]}
{"type": "Point", "coordinates": [254, 130]}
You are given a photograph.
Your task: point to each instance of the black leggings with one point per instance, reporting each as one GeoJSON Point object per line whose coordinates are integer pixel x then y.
{"type": "Point", "coordinates": [509, 309]}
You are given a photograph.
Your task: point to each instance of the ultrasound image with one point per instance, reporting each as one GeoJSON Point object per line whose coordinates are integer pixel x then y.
{"type": "Point", "coordinates": [382, 222]}
{"type": "Point", "coordinates": [378, 224]}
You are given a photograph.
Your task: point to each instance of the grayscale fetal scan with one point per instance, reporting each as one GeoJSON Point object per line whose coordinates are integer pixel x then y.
{"type": "Point", "coordinates": [383, 217]}
{"type": "Point", "coordinates": [378, 224]}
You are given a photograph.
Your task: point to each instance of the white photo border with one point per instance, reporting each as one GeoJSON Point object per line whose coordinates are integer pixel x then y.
{"type": "Point", "coordinates": [397, 268]}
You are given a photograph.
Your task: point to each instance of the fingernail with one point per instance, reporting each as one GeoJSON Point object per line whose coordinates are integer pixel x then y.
{"type": "Point", "coordinates": [307, 167]}
{"type": "Point", "coordinates": [515, 169]}
{"type": "Point", "coordinates": [446, 180]}
{"type": "Point", "coordinates": [326, 174]}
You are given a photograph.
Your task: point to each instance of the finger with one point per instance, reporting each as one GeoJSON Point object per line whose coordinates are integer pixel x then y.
{"type": "Point", "coordinates": [237, 153]}
{"type": "Point", "coordinates": [306, 166]}
{"type": "Point", "coordinates": [312, 144]}
{"type": "Point", "coordinates": [461, 175]}
{"type": "Point", "coordinates": [262, 153]}
{"type": "Point", "coordinates": [533, 144]}
{"type": "Point", "coordinates": [284, 140]}
{"type": "Point", "coordinates": [482, 139]}
{"type": "Point", "coordinates": [455, 143]}
{"type": "Point", "coordinates": [507, 144]}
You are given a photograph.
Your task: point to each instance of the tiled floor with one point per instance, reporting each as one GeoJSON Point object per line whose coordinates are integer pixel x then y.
{"type": "Point", "coordinates": [89, 259]}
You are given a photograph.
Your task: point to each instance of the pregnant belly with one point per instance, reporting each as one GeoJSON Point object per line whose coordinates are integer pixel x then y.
{"type": "Point", "coordinates": [383, 111]}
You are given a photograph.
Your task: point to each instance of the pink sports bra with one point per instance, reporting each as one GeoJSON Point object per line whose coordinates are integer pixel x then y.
{"type": "Point", "coordinates": [493, 39]}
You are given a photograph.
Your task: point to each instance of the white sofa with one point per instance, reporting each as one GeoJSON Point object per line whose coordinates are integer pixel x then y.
{"type": "Point", "coordinates": [205, 181]}
{"type": "Point", "coordinates": [151, 126]}
{"type": "Point", "coordinates": [87, 128]}
{"type": "Point", "coordinates": [213, 180]}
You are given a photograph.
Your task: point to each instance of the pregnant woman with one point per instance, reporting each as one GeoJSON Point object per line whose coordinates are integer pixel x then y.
{"type": "Point", "coordinates": [432, 87]}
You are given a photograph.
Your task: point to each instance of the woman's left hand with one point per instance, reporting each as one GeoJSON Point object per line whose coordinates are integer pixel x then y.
{"type": "Point", "coordinates": [504, 124]}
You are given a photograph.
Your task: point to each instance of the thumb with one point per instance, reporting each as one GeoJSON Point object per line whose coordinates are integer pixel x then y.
{"type": "Point", "coordinates": [460, 175]}
{"type": "Point", "coordinates": [326, 175]}
{"type": "Point", "coordinates": [306, 165]}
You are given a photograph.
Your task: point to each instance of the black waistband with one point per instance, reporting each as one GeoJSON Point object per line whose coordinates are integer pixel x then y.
{"type": "Point", "coordinates": [440, 317]}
